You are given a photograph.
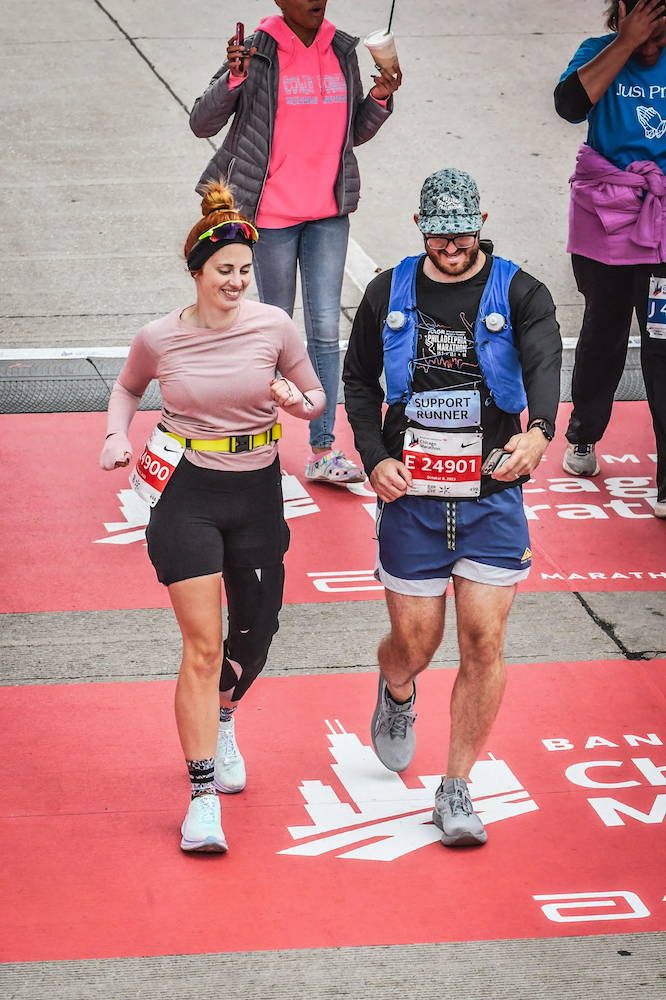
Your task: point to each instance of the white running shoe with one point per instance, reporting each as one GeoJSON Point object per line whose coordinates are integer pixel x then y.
{"type": "Point", "coordinates": [580, 460]}
{"type": "Point", "coordinates": [660, 508]}
{"type": "Point", "coordinates": [202, 827]}
{"type": "Point", "coordinates": [229, 765]}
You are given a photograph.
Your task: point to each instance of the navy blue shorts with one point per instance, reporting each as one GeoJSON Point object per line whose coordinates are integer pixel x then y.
{"type": "Point", "coordinates": [423, 542]}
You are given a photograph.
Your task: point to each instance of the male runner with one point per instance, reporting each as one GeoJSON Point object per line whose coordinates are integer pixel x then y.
{"type": "Point", "coordinates": [467, 341]}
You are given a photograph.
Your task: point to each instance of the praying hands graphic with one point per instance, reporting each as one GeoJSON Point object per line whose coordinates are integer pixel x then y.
{"type": "Point", "coordinates": [652, 122]}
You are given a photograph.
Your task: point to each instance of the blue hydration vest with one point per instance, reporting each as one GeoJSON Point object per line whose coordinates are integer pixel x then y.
{"type": "Point", "coordinates": [498, 356]}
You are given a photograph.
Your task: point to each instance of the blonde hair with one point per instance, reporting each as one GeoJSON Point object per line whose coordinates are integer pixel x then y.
{"type": "Point", "coordinates": [217, 206]}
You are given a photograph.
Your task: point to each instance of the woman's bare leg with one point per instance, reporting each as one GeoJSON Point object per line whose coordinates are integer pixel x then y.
{"type": "Point", "coordinates": [198, 607]}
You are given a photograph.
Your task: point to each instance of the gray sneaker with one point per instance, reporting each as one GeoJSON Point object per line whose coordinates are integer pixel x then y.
{"type": "Point", "coordinates": [580, 460]}
{"type": "Point", "coordinates": [393, 735]}
{"type": "Point", "coordinates": [454, 815]}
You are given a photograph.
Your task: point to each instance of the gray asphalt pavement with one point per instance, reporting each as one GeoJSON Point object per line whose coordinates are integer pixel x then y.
{"type": "Point", "coordinates": [97, 171]}
{"type": "Point", "coordinates": [564, 969]}
{"type": "Point", "coordinates": [66, 647]}
{"type": "Point", "coordinates": [98, 156]}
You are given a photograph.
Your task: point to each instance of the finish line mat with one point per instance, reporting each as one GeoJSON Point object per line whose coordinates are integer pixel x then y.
{"type": "Point", "coordinates": [327, 847]}
{"type": "Point", "coordinates": [74, 536]}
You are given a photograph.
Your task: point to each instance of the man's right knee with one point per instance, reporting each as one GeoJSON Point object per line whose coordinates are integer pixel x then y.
{"type": "Point", "coordinates": [411, 651]}
{"type": "Point", "coordinates": [417, 628]}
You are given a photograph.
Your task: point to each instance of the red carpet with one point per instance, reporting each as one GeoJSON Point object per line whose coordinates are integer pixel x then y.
{"type": "Point", "coordinates": [74, 534]}
{"type": "Point", "coordinates": [93, 790]}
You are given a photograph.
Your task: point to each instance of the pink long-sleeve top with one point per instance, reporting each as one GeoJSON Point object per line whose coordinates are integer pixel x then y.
{"type": "Point", "coordinates": [617, 216]}
{"type": "Point", "coordinates": [216, 383]}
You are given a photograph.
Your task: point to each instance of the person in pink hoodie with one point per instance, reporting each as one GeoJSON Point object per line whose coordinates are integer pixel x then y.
{"type": "Point", "coordinates": [298, 110]}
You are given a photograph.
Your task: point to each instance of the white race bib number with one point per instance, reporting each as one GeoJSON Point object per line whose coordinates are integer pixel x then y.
{"type": "Point", "coordinates": [156, 466]}
{"type": "Point", "coordinates": [445, 409]}
{"type": "Point", "coordinates": [656, 315]}
{"type": "Point", "coordinates": [443, 465]}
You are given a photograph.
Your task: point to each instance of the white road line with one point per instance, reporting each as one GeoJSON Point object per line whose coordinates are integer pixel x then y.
{"type": "Point", "coordinates": [34, 353]}
{"type": "Point", "coordinates": [65, 353]}
{"type": "Point", "coordinates": [360, 268]}
{"type": "Point", "coordinates": [53, 353]}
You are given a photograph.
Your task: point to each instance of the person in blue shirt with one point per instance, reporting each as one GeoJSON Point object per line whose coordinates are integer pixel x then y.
{"type": "Point", "coordinates": [617, 223]}
{"type": "Point", "coordinates": [620, 87]}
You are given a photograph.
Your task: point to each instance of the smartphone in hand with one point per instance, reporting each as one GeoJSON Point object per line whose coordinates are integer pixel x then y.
{"type": "Point", "coordinates": [495, 461]}
{"type": "Point", "coordinates": [238, 60]}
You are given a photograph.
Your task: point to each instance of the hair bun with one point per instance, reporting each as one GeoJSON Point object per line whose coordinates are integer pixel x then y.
{"type": "Point", "coordinates": [217, 206]}
{"type": "Point", "coordinates": [217, 198]}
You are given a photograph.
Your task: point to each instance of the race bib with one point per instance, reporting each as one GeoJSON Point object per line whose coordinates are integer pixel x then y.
{"type": "Point", "coordinates": [156, 466]}
{"type": "Point", "coordinates": [656, 315]}
{"type": "Point", "coordinates": [443, 465]}
{"type": "Point", "coordinates": [444, 409]}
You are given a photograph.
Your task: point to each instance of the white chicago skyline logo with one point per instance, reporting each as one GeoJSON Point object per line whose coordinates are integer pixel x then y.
{"type": "Point", "coordinates": [384, 807]}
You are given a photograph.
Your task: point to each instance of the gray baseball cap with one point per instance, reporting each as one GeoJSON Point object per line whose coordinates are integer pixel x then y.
{"type": "Point", "coordinates": [449, 203]}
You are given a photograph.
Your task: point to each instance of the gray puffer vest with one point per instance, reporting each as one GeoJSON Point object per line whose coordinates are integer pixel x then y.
{"type": "Point", "coordinates": [242, 159]}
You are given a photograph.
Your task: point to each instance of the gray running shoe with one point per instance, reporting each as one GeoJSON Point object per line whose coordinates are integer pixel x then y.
{"type": "Point", "coordinates": [660, 508]}
{"type": "Point", "coordinates": [580, 460]}
{"type": "Point", "coordinates": [393, 735]}
{"type": "Point", "coordinates": [454, 815]}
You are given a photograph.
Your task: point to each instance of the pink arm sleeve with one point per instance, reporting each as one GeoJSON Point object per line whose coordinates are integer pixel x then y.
{"type": "Point", "coordinates": [295, 365]}
{"type": "Point", "coordinates": [117, 448]}
{"type": "Point", "coordinates": [123, 404]}
{"type": "Point", "coordinates": [130, 386]}
{"type": "Point", "coordinates": [303, 376]}
{"type": "Point", "coordinates": [301, 408]}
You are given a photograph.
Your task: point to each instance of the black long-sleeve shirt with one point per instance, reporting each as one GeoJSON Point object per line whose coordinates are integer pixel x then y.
{"type": "Point", "coordinates": [446, 357]}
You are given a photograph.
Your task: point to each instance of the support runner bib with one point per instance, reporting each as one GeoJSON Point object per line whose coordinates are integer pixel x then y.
{"type": "Point", "coordinates": [443, 464]}
{"type": "Point", "coordinates": [156, 466]}
{"type": "Point", "coordinates": [443, 409]}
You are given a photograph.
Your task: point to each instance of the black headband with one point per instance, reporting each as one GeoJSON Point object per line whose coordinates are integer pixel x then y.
{"type": "Point", "coordinates": [213, 240]}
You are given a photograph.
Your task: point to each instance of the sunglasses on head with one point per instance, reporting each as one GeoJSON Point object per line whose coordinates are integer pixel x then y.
{"type": "Point", "coordinates": [229, 231]}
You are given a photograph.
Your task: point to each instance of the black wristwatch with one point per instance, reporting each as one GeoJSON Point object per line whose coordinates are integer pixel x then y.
{"type": "Point", "coordinates": [543, 426]}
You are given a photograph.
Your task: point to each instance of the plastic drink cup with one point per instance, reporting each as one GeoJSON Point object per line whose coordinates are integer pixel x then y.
{"type": "Point", "coordinates": [381, 45]}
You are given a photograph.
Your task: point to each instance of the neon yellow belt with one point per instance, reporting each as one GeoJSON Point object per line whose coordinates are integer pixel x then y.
{"type": "Point", "coordinates": [235, 445]}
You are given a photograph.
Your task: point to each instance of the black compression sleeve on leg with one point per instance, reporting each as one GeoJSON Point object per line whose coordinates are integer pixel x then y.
{"type": "Point", "coordinates": [254, 598]}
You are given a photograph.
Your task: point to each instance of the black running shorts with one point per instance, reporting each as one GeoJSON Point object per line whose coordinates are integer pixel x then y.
{"type": "Point", "coordinates": [207, 519]}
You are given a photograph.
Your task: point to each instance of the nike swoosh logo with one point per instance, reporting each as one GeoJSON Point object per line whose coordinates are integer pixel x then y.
{"type": "Point", "coordinates": [470, 445]}
{"type": "Point", "coordinates": [175, 450]}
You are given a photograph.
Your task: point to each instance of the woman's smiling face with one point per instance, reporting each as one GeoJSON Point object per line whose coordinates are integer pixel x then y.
{"type": "Point", "coordinates": [224, 278]}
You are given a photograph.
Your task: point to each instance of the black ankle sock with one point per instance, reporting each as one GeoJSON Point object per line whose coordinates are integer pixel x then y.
{"type": "Point", "coordinates": [395, 701]}
{"type": "Point", "coordinates": [202, 774]}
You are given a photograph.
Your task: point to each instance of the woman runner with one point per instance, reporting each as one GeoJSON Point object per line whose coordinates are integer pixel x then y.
{"type": "Point", "coordinates": [221, 512]}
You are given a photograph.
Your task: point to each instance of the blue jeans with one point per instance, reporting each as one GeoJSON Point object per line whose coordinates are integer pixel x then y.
{"type": "Point", "coordinates": [320, 247]}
